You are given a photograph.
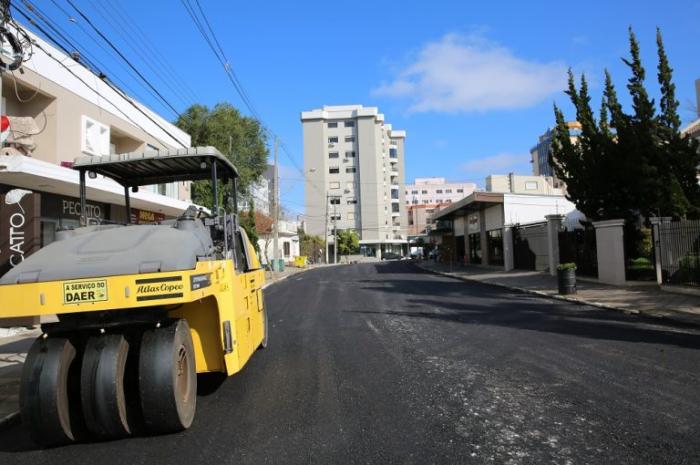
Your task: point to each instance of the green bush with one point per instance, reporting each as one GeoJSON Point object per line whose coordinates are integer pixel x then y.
{"type": "Point", "coordinates": [689, 262]}
{"type": "Point", "coordinates": [640, 263]}
{"type": "Point", "coordinates": [567, 266]}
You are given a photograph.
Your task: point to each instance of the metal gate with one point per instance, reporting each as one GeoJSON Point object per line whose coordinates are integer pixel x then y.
{"type": "Point", "coordinates": [678, 245]}
{"type": "Point", "coordinates": [530, 247]}
{"type": "Point", "coordinates": [579, 246]}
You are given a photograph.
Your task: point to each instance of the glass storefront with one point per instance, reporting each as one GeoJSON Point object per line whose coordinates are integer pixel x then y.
{"type": "Point", "coordinates": [475, 248]}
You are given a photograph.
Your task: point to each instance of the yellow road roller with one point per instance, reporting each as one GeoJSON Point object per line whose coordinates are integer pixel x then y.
{"type": "Point", "coordinates": [142, 309]}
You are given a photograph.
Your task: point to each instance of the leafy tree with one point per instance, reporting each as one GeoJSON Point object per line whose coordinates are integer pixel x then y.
{"type": "Point", "coordinates": [633, 165]}
{"type": "Point", "coordinates": [240, 138]}
{"type": "Point", "coordinates": [247, 222]}
{"type": "Point", "coordinates": [310, 245]}
{"type": "Point", "coordinates": [348, 242]}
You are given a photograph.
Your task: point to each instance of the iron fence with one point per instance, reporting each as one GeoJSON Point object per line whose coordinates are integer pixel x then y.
{"type": "Point", "coordinates": [679, 251]}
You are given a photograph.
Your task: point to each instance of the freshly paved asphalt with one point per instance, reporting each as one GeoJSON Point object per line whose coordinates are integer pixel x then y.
{"type": "Point", "coordinates": [384, 363]}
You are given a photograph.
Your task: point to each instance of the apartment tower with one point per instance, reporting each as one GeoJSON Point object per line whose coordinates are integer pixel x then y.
{"type": "Point", "coordinates": [354, 173]}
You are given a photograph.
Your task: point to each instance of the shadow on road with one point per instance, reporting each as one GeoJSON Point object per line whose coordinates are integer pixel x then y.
{"type": "Point", "coordinates": [479, 304]}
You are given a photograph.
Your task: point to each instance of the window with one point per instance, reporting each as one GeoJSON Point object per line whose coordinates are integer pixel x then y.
{"type": "Point", "coordinates": [333, 124]}
{"type": "Point", "coordinates": [438, 200]}
{"type": "Point", "coordinates": [286, 247]}
{"type": "Point", "coordinates": [333, 154]}
{"type": "Point", "coordinates": [414, 192]}
{"type": "Point", "coordinates": [415, 201]}
{"type": "Point", "coordinates": [349, 124]}
{"type": "Point", "coordinates": [460, 191]}
{"type": "Point", "coordinates": [448, 201]}
{"type": "Point", "coordinates": [335, 217]}
{"type": "Point", "coordinates": [335, 200]}
{"type": "Point", "coordinates": [423, 192]}
{"type": "Point", "coordinates": [439, 191]}
{"type": "Point", "coordinates": [333, 140]}
{"type": "Point", "coordinates": [448, 191]}
{"type": "Point", "coordinates": [351, 215]}
{"type": "Point", "coordinates": [350, 139]}
{"type": "Point", "coordinates": [334, 185]}
{"type": "Point", "coordinates": [350, 169]}
{"type": "Point", "coordinates": [349, 154]}
{"type": "Point", "coordinates": [394, 207]}
{"type": "Point", "coordinates": [334, 170]}
{"type": "Point", "coordinates": [531, 185]}
{"type": "Point", "coordinates": [352, 201]}
{"type": "Point", "coordinates": [95, 137]}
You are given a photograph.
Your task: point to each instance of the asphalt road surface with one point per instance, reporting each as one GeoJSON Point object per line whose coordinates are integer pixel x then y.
{"type": "Point", "coordinates": [384, 363]}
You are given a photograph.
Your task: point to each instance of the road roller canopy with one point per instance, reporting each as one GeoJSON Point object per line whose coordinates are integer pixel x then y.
{"type": "Point", "coordinates": [159, 167]}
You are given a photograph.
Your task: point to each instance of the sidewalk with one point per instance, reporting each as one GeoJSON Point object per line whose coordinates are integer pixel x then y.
{"type": "Point", "coordinates": [13, 351]}
{"type": "Point", "coordinates": [272, 277]}
{"type": "Point", "coordinates": [648, 300]}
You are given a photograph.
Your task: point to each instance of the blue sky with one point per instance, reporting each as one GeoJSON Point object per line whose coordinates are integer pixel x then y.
{"type": "Point", "coordinates": [472, 83]}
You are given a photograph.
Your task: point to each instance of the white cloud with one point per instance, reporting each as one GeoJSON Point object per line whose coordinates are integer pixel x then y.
{"type": "Point", "coordinates": [469, 73]}
{"type": "Point", "coordinates": [502, 163]}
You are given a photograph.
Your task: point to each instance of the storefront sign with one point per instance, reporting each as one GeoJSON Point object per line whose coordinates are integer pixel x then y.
{"type": "Point", "coordinates": [55, 206]}
{"type": "Point", "coordinates": [145, 216]}
{"type": "Point", "coordinates": [20, 231]}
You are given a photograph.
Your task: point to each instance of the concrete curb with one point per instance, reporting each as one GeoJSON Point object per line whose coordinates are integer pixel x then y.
{"type": "Point", "coordinates": [9, 420]}
{"type": "Point", "coordinates": [675, 316]}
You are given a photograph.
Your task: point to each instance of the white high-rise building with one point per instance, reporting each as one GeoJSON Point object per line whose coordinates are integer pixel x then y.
{"type": "Point", "coordinates": [354, 172]}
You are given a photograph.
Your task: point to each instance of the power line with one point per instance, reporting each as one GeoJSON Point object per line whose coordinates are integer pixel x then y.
{"type": "Point", "coordinates": [140, 50]}
{"type": "Point", "coordinates": [148, 44]}
{"type": "Point", "coordinates": [97, 65]}
{"type": "Point", "coordinates": [121, 55]}
{"type": "Point", "coordinates": [218, 51]}
{"type": "Point", "coordinates": [106, 81]}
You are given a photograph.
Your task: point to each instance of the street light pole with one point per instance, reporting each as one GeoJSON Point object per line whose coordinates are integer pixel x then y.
{"type": "Point", "coordinates": [325, 230]}
{"type": "Point", "coordinates": [335, 233]}
{"type": "Point", "coordinates": [276, 219]}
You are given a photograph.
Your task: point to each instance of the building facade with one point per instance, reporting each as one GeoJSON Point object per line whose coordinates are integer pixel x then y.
{"type": "Point", "coordinates": [354, 173]}
{"type": "Point", "coordinates": [436, 191]}
{"type": "Point", "coordinates": [426, 195]}
{"type": "Point", "coordinates": [58, 111]}
{"type": "Point", "coordinates": [693, 129]}
{"type": "Point", "coordinates": [542, 152]}
{"type": "Point", "coordinates": [522, 184]}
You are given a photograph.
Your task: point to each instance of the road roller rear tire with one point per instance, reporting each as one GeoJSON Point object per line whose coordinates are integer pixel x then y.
{"type": "Point", "coordinates": [102, 386]}
{"type": "Point", "coordinates": [168, 378]}
{"type": "Point", "coordinates": [44, 405]}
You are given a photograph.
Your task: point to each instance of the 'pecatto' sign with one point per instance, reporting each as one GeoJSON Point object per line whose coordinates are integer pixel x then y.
{"type": "Point", "coordinates": [20, 227]}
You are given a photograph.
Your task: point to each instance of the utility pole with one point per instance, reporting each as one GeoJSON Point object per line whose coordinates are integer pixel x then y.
{"type": "Point", "coordinates": [276, 219]}
{"type": "Point", "coordinates": [335, 233]}
{"type": "Point", "coordinates": [325, 230]}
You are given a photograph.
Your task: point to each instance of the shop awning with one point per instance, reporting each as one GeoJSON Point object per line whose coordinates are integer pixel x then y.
{"type": "Point", "coordinates": [40, 176]}
{"type": "Point", "coordinates": [469, 204]}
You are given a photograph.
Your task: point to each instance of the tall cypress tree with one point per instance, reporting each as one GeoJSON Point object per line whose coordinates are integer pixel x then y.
{"type": "Point", "coordinates": [680, 154]}
{"type": "Point", "coordinates": [668, 103]}
{"type": "Point", "coordinates": [630, 166]}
